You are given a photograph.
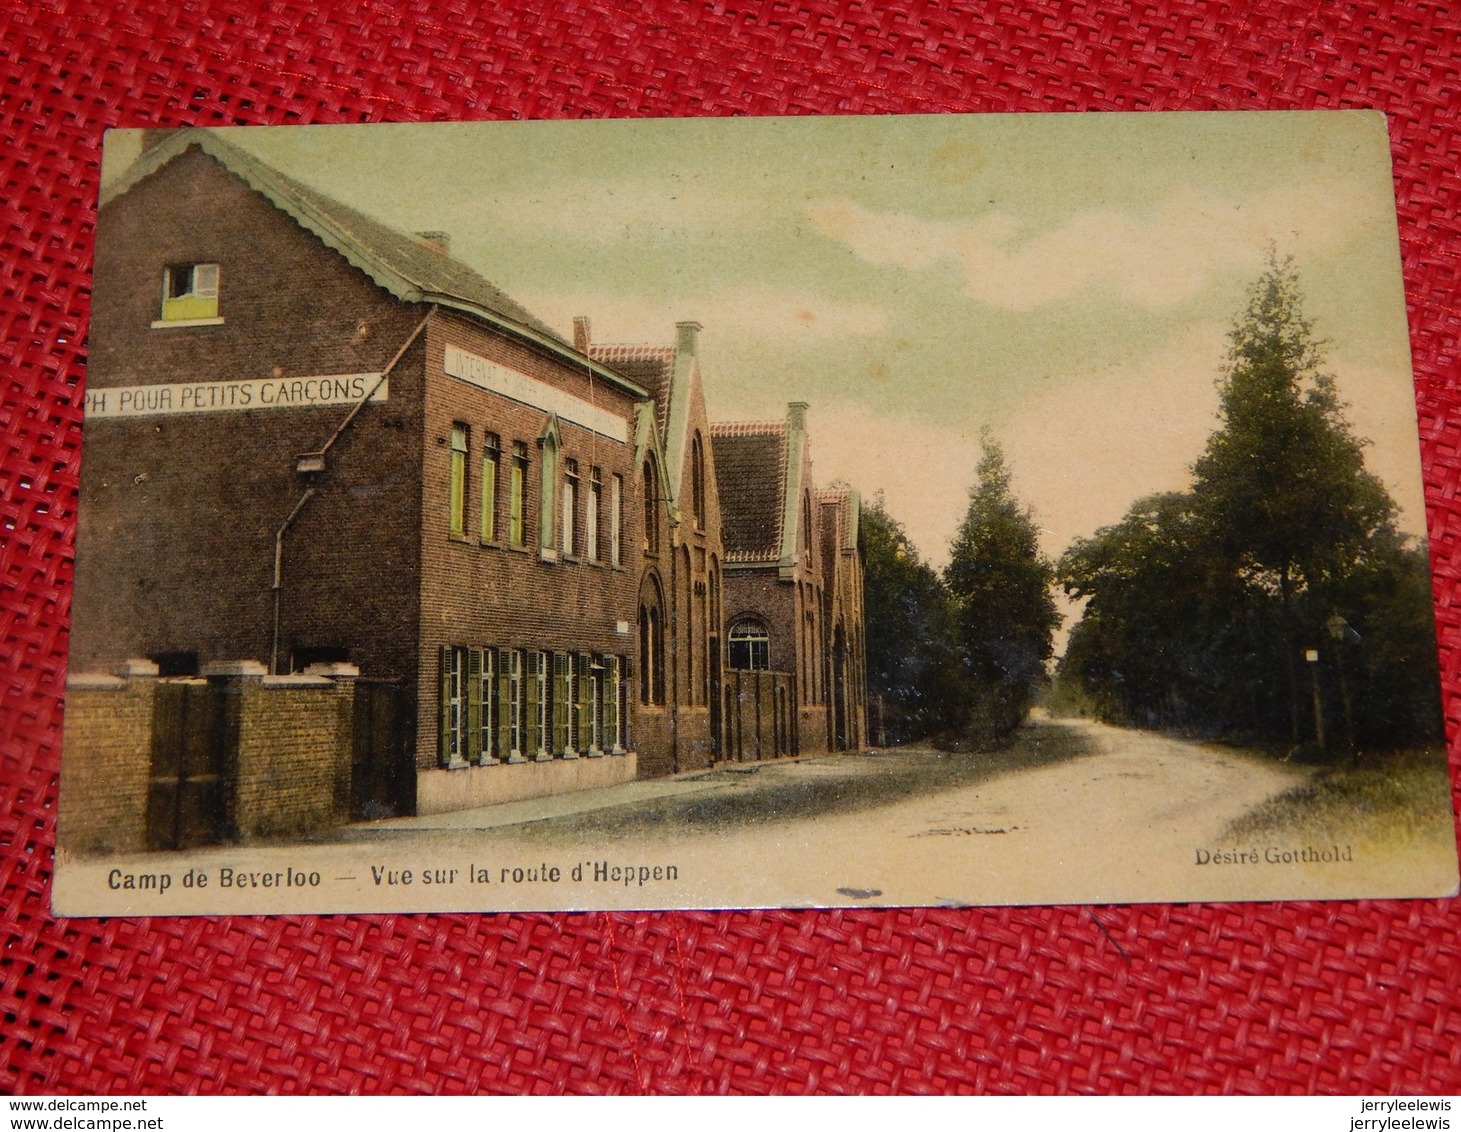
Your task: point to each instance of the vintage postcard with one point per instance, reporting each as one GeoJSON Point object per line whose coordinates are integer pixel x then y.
{"type": "Point", "coordinates": [859, 511]}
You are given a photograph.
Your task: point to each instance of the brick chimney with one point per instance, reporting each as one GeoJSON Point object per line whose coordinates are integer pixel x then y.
{"type": "Point", "coordinates": [796, 416]}
{"type": "Point", "coordinates": [582, 333]}
{"type": "Point", "coordinates": [439, 242]}
{"type": "Point", "coordinates": [687, 338]}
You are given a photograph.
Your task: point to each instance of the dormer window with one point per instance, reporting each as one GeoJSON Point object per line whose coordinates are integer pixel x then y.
{"type": "Point", "coordinates": [189, 295]}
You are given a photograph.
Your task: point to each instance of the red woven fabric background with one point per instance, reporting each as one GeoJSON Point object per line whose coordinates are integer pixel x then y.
{"type": "Point", "coordinates": [1355, 997]}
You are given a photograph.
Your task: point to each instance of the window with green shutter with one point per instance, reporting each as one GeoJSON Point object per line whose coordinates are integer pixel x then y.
{"type": "Point", "coordinates": [457, 488]}
{"type": "Point", "coordinates": [453, 705]}
{"type": "Point", "coordinates": [487, 723]}
{"type": "Point", "coordinates": [583, 709]}
{"type": "Point", "coordinates": [612, 676]}
{"type": "Point", "coordinates": [491, 458]}
{"type": "Point", "coordinates": [596, 673]}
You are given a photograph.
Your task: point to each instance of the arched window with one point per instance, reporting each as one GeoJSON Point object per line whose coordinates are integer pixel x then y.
{"type": "Point", "coordinates": [548, 487]}
{"type": "Point", "coordinates": [651, 643]}
{"type": "Point", "coordinates": [749, 646]}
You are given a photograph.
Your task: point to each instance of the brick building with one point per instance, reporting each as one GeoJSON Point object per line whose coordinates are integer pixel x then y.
{"type": "Point", "coordinates": [315, 444]}
{"type": "Point", "coordinates": [793, 578]}
{"type": "Point", "coordinates": [679, 616]}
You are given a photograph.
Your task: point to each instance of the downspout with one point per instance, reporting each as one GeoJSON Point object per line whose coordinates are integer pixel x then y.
{"type": "Point", "coordinates": [674, 618]}
{"type": "Point", "coordinates": [312, 464]}
{"type": "Point", "coordinates": [319, 457]}
{"type": "Point", "coordinates": [279, 574]}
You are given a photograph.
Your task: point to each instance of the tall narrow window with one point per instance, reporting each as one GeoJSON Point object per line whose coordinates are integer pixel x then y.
{"type": "Point", "coordinates": [542, 697]}
{"type": "Point", "coordinates": [592, 507]}
{"type": "Point", "coordinates": [570, 507]}
{"type": "Point", "coordinates": [697, 481]}
{"type": "Point", "coordinates": [489, 706]}
{"type": "Point", "coordinates": [453, 705]}
{"type": "Point", "coordinates": [562, 705]}
{"type": "Point", "coordinates": [651, 651]}
{"type": "Point", "coordinates": [547, 490]}
{"type": "Point", "coordinates": [575, 738]}
{"type": "Point", "coordinates": [651, 508]}
{"type": "Point", "coordinates": [491, 458]}
{"type": "Point", "coordinates": [616, 519]}
{"type": "Point", "coordinates": [659, 655]}
{"type": "Point", "coordinates": [621, 691]}
{"type": "Point", "coordinates": [190, 292]}
{"type": "Point", "coordinates": [518, 496]}
{"type": "Point", "coordinates": [613, 670]}
{"type": "Point", "coordinates": [515, 716]}
{"type": "Point", "coordinates": [596, 705]}
{"type": "Point", "coordinates": [457, 491]}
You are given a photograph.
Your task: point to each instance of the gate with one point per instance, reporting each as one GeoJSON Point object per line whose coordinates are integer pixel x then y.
{"type": "Point", "coordinates": [187, 796]}
{"type": "Point", "coordinates": [383, 768]}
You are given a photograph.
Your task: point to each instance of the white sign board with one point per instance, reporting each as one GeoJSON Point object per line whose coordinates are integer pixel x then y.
{"type": "Point", "coordinates": [233, 396]}
{"type": "Point", "coordinates": [520, 387]}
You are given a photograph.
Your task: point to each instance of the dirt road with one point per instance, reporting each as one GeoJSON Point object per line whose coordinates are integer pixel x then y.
{"type": "Point", "coordinates": [1075, 812]}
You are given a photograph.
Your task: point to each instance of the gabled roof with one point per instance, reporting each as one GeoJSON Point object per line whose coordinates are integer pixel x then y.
{"type": "Point", "coordinates": [652, 367]}
{"type": "Point", "coordinates": [751, 465]}
{"type": "Point", "coordinates": [396, 262]}
{"type": "Point", "coordinates": [671, 374]}
{"type": "Point", "coordinates": [849, 507]}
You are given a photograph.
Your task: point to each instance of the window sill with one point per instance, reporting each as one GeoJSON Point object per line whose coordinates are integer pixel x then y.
{"type": "Point", "coordinates": [546, 554]}
{"type": "Point", "coordinates": [180, 323]}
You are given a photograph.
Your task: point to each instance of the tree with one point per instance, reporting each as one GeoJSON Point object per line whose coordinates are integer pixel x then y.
{"type": "Point", "coordinates": [1004, 614]}
{"type": "Point", "coordinates": [1204, 607]}
{"type": "Point", "coordinates": [1282, 489]}
{"type": "Point", "coordinates": [1138, 636]}
{"type": "Point", "coordinates": [909, 650]}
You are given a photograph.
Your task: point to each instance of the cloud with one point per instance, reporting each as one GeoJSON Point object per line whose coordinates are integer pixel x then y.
{"type": "Point", "coordinates": [1158, 258]}
{"type": "Point", "coordinates": [606, 213]}
{"type": "Point", "coordinates": [787, 317]}
{"type": "Point", "coordinates": [1087, 446]}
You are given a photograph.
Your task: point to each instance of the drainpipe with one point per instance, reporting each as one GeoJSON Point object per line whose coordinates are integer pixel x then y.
{"type": "Point", "coordinates": [279, 574]}
{"type": "Point", "coordinates": [314, 462]}
{"type": "Point", "coordinates": [312, 465]}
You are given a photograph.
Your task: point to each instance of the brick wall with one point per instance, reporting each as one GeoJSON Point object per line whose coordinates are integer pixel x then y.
{"type": "Point", "coordinates": [760, 724]}
{"type": "Point", "coordinates": [292, 771]}
{"type": "Point", "coordinates": [107, 751]}
{"type": "Point", "coordinates": [479, 593]}
{"type": "Point", "coordinates": [651, 739]}
{"type": "Point", "coordinates": [178, 513]}
{"type": "Point", "coordinates": [289, 757]}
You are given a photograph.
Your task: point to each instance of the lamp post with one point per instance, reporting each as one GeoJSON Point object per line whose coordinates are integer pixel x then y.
{"type": "Point", "coordinates": [1341, 631]}
{"type": "Point", "coordinates": [1312, 656]}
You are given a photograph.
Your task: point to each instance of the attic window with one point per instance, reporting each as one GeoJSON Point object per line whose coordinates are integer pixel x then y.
{"type": "Point", "coordinates": [189, 295]}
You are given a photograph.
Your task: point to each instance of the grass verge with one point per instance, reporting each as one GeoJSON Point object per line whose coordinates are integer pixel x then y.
{"type": "Point", "coordinates": [1389, 798]}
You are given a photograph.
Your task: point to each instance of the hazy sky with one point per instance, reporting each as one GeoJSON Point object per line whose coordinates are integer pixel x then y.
{"type": "Point", "coordinates": [1065, 280]}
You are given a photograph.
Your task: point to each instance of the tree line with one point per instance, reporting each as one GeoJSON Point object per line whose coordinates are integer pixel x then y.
{"type": "Point", "coordinates": [1274, 602]}
{"type": "Point", "coordinates": [958, 656]}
